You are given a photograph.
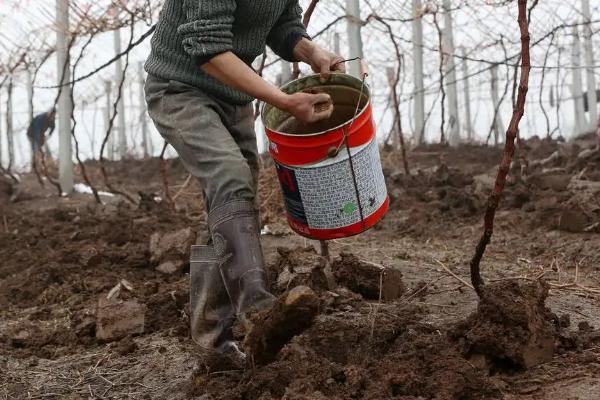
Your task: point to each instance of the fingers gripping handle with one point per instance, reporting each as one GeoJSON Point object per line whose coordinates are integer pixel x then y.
{"type": "Point", "coordinates": [364, 67]}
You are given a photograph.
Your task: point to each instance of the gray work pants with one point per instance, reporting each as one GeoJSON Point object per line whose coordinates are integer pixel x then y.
{"type": "Point", "coordinates": [215, 140]}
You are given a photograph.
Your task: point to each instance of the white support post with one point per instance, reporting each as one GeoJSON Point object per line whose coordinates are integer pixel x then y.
{"type": "Point", "coordinates": [1, 115]}
{"type": "Point", "coordinates": [143, 111]}
{"type": "Point", "coordinates": [336, 44]}
{"type": "Point", "coordinates": [110, 145]}
{"type": "Point", "coordinates": [286, 72]}
{"type": "Point", "coordinates": [261, 137]}
{"type": "Point", "coordinates": [120, 77]}
{"type": "Point", "coordinates": [9, 125]}
{"type": "Point", "coordinates": [454, 121]}
{"type": "Point", "coordinates": [467, 94]}
{"type": "Point", "coordinates": [497, 123]}
{"type": "Point", "coordinates": [577, 86]}
{"type": "Point", "coordinates": [30, 108]}
{"type": "Point", "coordinates": [419, 93]}
{"type": "Point", "coordinates": [589, 61]}
{"type": "Point", "coordinates": [391, 76]}
{"type": "Point", "coordinates": [354, 37]}
{"type": "Point", "coordinates": [65, 105]}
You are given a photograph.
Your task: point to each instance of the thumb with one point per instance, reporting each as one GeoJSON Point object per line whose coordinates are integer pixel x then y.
{"type": "Point", "coordinates": [323, 108]}
{"type": "Point", "coordinates": [321, 98]}
{"type": "Point", "coordinates": [324, 114]}
{"type": "Point", "coordinates": [325, 70]}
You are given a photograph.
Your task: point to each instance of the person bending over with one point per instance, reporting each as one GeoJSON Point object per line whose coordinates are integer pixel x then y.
{"type": "Point", "coordinates": [199, 91]}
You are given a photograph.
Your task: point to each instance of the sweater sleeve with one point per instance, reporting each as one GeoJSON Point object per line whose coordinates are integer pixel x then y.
{"type": "Point", "coordinates": [287, 32]}
{"type": "Point", "coordinates": [208, 28]}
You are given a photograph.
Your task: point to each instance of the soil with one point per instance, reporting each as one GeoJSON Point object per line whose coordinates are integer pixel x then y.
{"type": "Point", "coordinates": [525, 339]}
{"type": "Point", "coordinates": [512, 326]}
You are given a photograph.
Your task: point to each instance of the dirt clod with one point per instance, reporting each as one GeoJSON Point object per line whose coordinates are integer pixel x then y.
{"type": "Point", "coordinates": [511, 327]}
{"type": "Point", "coordinates": [273, 328]}
{"type": "Point", "coordinates": [573, 220]}
{"type": "Point", "coordinates": [117, 319]}
{"type": "Point", "coordinates": [370, 280]}
{"type": "Point", "coordinates": [126, 346]}
{"type": "Point", "coordinates": [301, 266]}
{"type": "Point", "coordinates": [172, 246]}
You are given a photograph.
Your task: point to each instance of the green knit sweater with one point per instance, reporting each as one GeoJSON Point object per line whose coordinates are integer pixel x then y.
{"type": "Point", "coordinates": [190, 32]}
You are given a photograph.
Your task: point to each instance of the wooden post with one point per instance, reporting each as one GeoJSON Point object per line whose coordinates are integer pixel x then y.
{"type": "Point", "coordinates": [65, 105]}
{"type": "Point", "coordinates": [454, 121]}
{"type": "Point", "coordinates": [419, 88]}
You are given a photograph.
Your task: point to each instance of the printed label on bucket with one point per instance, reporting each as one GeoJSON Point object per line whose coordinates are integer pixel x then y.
{"type": "Point", "coordinates": [322, 195]}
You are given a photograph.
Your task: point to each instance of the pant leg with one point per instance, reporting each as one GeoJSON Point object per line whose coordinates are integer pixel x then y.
{"type": "Point", "coordinates": [190, 122]}
{"type": "Point", "coordinates": [244, 135]}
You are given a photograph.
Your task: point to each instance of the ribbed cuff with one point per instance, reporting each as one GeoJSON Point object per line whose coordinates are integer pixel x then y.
{"type": "Point", "coordinates": [202, 254]}
{"type": "Point", "coordinates": [290, 43]}
{"type": "Point", "coordinates": [227, 211]}
{"type": "Point", "coordinates": [201, 60]}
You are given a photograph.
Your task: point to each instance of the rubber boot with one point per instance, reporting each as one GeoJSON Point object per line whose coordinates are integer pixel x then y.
{"type": "Point", "coordinates": [236, 240]}
{"type": "Point", "coordinates": [212, 314]}
{"type": "Point", "coordinates": [269, 323]}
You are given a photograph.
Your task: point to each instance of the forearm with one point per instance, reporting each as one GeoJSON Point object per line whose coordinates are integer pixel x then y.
{"type": "Point", "coordinates": [229, 69]}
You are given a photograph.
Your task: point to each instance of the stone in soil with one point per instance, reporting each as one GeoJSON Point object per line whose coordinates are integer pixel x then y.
{"type": "Point", "coordinates": [368, 279]}
{"type": "Point", "coordinates": [573, 220]}
{"type": "Point", "coordinates": [512, 326]}
{"type": "Point", "coordinates": [118, 319]}
{"type": "Point", "coordinates": [172, 246]}
{"type": "Point", "coordinates": [169, 268]}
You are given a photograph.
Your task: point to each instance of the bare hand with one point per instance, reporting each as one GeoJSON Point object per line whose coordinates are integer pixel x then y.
{"type": "Point", "coordinates": [308, 107]}
{"type": "Point", "coordinates": [323, 62]}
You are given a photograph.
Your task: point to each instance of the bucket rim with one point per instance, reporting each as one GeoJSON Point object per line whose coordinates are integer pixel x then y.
{"type": "Point", "coordinates": [307, 77]}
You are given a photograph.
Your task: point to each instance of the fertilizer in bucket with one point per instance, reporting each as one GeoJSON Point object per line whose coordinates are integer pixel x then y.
{"type": "Point", "coordinates": [329, 171]}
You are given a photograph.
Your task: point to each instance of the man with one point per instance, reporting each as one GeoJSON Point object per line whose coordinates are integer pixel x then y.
{"type": "Point", "coordinates": [199, 90]}
{"type": "Point", "coordinates": [38, 127]}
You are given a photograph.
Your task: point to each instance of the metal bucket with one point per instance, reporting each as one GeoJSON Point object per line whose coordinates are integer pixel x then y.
{"type": "Point", "coordinates": [328, 193]}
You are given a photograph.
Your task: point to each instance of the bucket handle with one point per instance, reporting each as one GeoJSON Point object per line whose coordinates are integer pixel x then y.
{"type": "Point", "coordinates": [344, 141]}
{"type": "Point", "coordinates": [364, 67]}
{"type": "Point", "coordinates": [335, 150]}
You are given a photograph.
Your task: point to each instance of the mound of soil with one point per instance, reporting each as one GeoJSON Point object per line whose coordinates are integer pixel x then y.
{"type": "Point", "coordinates": [358, 352]}
{"type": "Point", "coordinates": [511, 327]}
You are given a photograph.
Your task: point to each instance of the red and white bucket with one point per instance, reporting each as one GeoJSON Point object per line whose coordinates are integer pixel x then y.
{"type": "Point", "coordinates": [324, 198]}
